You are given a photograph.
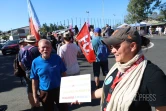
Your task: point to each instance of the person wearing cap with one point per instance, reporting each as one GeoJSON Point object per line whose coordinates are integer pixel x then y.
{"type": "Point", "coordinates": [133, 83]}
{"type": "Point", "coordinates": [22, 44]}
{"type": "Point", "coordinates": [46, 72]}
{"type": "Point", "coordinates": [69, 52]}
{"type": "Point", "coordinates": [31, 42]}
{"type": "Point", "coordinates": [96, 41]}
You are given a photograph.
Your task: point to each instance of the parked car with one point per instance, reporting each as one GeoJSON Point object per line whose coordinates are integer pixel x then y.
{"type": "Point", "coordinates": [10, 46]}
{"type": "Point", "coordinates": [2, 43]}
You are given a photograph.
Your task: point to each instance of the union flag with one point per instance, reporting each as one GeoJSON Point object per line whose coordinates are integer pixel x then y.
{"type": "Point", "coordinates": [85, 43]}
{"type": "Point", "coordinates": [34, 23]}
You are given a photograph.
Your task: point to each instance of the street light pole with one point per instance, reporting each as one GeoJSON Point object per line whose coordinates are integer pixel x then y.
{"type": "Point", "coordinates": [103, 11]}
{"type": "Point", "coordinates": [80, 22]}
{"type": "Point", "coordinates": [114, 22]}
{"type": "Point", "coordinates": [88, 17]}
{"type": "Point", "coordinates": [68, 22]}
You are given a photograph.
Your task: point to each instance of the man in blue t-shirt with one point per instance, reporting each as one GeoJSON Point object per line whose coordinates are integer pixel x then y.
{"type": "Point", "coordinates": [46, 73]}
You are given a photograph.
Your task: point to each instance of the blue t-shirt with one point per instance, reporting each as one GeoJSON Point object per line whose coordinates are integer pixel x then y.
{"type": "Point", "coordinates": [48, 72]}
{"type": "Point", "coordinates": [95, 44]}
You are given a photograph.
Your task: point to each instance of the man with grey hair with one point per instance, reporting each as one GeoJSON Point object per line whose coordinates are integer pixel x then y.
{"type": "Point", "coordinates": [46, 73]}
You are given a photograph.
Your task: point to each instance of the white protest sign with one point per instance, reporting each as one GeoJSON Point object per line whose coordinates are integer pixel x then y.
{"type": "Point", "coordinates": [75, 88]}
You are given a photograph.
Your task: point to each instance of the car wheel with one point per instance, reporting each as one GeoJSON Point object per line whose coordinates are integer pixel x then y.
{"type": "Point", "coordinates": [3, 53]}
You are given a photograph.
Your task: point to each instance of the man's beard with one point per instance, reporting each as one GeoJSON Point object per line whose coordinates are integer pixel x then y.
{"type": "Point", "coordinates": [45, 55]}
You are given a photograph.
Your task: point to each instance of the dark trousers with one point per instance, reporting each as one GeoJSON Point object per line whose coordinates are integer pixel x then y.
{"type": "Point", "coordinates": [48, 98]}
{"type": "Point", "coordinates": [104, 68]}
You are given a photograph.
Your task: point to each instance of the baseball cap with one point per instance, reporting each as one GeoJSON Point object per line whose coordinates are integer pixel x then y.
{"type": "Point", "coordinates": [98, 30]}
{"type": "Point", "coordinates": [129, 34]}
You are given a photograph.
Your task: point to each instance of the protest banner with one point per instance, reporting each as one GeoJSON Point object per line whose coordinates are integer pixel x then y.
{"type": "Point", "coordinates": [75, 88]}
{"type": "Point", "coordinates": [85, 44]}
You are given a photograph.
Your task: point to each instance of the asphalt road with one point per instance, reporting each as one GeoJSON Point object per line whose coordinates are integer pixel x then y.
{"type": "Point", "coordinates": [13, 93]}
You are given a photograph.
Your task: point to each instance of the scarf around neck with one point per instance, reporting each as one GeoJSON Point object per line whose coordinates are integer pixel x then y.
{"type": "Point", "coordinates": [126, 90]}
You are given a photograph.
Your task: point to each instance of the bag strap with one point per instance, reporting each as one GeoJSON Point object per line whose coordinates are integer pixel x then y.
{"type": "Point", "coordinates": [30, 47]}
{"type": "Point", "coordinates": [23, 49]}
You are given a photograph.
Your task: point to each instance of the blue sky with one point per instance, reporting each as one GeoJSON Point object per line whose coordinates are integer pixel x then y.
{"type": "Point", "coordinates": [14, 13]}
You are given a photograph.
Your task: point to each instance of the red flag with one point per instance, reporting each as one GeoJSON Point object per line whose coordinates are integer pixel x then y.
{"type": "Point", "coordinates": [34, 23]}
{"type": "Point", "coordinates": [85, 44]}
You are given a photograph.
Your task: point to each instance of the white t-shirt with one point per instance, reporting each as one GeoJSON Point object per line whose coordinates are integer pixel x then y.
{"type": "Point", "coordinates": [69, 53]}
{"type": "Point", "coordinates": [91, 33]}
{"type": "Point", "coordinates": [159, 29]}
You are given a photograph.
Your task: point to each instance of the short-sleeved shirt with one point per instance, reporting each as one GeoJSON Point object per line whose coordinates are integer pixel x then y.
{"type": "Point", "coordinates": [95, 44]}
{"type": "Point", "coordinates": [69, 53]}
{"type": "Point", "coordinates": [152, 90]}
{"type": "Point", "coordinates": [48, 71]}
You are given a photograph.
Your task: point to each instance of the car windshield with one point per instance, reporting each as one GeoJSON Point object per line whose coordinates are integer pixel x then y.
{"type": "Point", "coordinates": [12, 42]}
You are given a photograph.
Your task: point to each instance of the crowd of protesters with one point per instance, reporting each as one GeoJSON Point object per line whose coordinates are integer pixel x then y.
{"type": "Point", "coordinates": [56, 54]}
{"type": "Point", "coordinates": [55, 47]}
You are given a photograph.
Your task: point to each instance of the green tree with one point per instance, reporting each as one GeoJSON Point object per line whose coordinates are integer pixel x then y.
{"type": "Point", "coordinates": [161, 16]}
{"type": "Point", "coordinates": [55, 27]}
{"type": "Point", "coordinates": [5, 37]}
{"type": "Point", "coordinates": [0, 34]}
{"type": "Point", "coordinates": [44, 29]}
{"type": "Point", "coordinates": [139, 10]}
{"type": "Point", "coordinates": [153, 16]}
{"type": "Point", "coordinates": [163, 10]}
{"type": "Point", "coordinates": [128, 19]}
{"type": "Point", "coordinates": [51, 27]}
{"type": "Point", "coordinates": [61, 27]}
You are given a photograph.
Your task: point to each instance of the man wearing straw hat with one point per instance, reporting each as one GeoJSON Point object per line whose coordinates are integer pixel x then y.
{"type": "Point", "coordinates": [33, 53]}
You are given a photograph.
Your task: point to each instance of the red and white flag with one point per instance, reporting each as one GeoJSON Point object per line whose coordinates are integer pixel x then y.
{"type": "Point", "coordinates": [85, 43]}
{"type": "Point", "coordinates": [34, 23]}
